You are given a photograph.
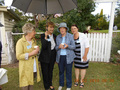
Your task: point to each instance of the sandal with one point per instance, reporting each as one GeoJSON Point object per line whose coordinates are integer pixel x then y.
{"type": "Point", "coordinates": [76, 84]}
{"type": "Point", "coordinates": [81, 85]}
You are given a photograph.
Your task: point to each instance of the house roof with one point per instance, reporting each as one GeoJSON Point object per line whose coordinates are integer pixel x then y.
{"type": "Point", "coordinates": [10, 11]}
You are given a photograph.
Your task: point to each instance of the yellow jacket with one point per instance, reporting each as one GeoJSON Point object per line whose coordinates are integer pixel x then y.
{"type": "Point", "coordinates": [26, 66]}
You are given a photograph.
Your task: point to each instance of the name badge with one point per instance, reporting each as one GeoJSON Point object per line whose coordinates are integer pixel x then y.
{"type": "Point", "coordinates": [49, 39]}
{"type": "Point", "coordinates": [29, 46]}
{"type": "Point", "coordinates": [77, 41]}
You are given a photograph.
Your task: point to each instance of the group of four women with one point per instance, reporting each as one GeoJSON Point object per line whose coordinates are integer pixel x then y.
{"type": "Point", "coordinates": [63, 49]}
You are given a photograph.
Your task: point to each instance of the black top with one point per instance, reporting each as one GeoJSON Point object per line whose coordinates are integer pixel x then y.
{"type": "Point", "coordinates": [77, 50]}
{"type": "Point", "coordinates": [46, 49]}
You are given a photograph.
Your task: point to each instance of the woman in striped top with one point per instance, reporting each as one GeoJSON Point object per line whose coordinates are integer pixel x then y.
{"type": "Point", "coordinates": [81, 60]}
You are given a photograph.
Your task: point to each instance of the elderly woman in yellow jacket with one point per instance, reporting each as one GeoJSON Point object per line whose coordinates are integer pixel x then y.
{"type": "Point", "coordinates": [26, 53]}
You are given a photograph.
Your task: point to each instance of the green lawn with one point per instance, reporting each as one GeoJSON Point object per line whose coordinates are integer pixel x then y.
{"type": "Point", "coordinates": [100, 76]}
{"type": "Point", "coordinates": [98, 31]}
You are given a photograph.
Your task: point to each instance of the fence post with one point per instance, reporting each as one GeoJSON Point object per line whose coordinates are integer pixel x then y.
{"type": "Point", "coordinates": [111, 30]}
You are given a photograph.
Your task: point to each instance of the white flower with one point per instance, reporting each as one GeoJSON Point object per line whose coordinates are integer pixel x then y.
{"type": "Point", "coordinates": [118, 51]}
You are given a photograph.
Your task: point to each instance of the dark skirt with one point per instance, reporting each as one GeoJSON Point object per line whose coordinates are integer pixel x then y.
{"type": "Point", "coordinates": [81, 65]}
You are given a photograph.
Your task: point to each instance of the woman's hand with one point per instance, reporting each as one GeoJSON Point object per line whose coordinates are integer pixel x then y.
{"type": "Point", "coordinates": [61, 46]}
{"type": "Point", "coordinates": [37, 49]}
{"type": "Point", "coordinates": [34, 52]}
{"type": "Point", "coordinates": [66, 46]}
{"type": "Point", "coordinates": [84, 58]}
{"type": "Point", "coordinates": [85, 55]}
{"type": "Point", "coordinates": [46, 34]}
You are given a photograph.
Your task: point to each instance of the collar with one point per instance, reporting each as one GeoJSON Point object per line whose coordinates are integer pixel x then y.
{"type": "Point", "coordinates": [65, 35]}
{"type": "Point", "coordinates": [24, 39]}
{"type": "Point", "coordinates": [51, 35]}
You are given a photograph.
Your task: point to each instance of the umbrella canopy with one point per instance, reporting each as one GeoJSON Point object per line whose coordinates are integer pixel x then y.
{"type": "Point", "coordinates": [1, 25]}
{"type": "Point", "coordinates": [45, 6]}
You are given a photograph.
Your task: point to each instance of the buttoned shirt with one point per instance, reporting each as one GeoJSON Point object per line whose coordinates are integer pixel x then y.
{"type": "Point", "coordinates": [51, 39]}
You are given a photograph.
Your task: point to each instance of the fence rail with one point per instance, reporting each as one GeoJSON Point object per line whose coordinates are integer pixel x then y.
{"type": "Point", "coordinates": [98, 47]}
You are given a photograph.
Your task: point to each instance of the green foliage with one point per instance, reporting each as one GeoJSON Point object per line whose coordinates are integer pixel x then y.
{"type": "Point", "coordinates": [80, 16]}
{"type": "Point", "coordinates": [18, 27]}
{"type": "Point", "coordinates": [115, 44]}
{"type": "Point", "coordinates": [114, 59]}
{"type": "Point", "coordinates": [117, 17]}
{"type": "Point", "coordinates": [118, 25]}
{"type": "Point", "coordinates": [2, 2]}
{"type": "Point", "coordinates": [41, 25]}
{"type": "Point", "coordinates": [94, 21]}
{"type": "Point", "coordinates": [23, 16]}
{"type": "Point", "coordinates": [99, 22]}
{"type": "Point", "coordinates": [103, 24]}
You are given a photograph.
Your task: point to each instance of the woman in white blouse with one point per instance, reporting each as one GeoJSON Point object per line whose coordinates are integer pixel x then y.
{"type": "Point", "coordinates": [81, 61]}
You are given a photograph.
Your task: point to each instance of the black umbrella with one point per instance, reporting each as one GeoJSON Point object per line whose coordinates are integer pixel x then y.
{"type": "Point", "coordinates": [1, 25]}
{"type": "Point", "coordinates": [45, 6]}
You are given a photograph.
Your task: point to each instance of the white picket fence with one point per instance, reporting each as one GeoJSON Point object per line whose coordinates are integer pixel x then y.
{"type": "Point", "coordinates": [98, 47]}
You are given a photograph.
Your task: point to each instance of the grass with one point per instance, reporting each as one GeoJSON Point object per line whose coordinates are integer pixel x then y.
{"type": "Point", "coordinates": [98, 31]}
{"type": "Point", "coordinates": [100, 76]}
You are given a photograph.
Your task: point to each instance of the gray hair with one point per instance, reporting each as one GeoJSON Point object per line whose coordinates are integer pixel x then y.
{"type": "Point", "coordinates": [28, 28]}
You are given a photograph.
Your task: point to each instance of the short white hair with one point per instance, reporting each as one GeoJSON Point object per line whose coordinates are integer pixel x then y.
{"type": "Point", "coordinates": [27, 28]}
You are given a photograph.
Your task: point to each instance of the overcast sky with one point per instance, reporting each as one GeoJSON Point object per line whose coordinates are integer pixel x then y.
{"type": "Point", "coordinates": [105, 6]}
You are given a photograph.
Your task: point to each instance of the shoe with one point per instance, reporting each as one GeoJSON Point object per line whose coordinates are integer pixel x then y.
{"type": "Point", "coordinates": [81, 85]}
{"type": "Point", "coordinates": [60, 88]}
{"type": "Point", "coordinates": [68, 89]}
{"type": "Point", "coordinates": [76, 83]}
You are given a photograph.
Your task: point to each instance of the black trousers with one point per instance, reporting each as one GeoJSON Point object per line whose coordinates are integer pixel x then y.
{"type": "Point", "coordinates": [47, 71]}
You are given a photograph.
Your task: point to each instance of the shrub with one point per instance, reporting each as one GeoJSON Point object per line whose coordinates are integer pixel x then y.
{"type": "Point", "coordinates": [41, 25]}
{"type": "Point", "coordinates": [115, 44]}
{"type": "Point", "coordinates": [115, 47]}
{"type": "Point", "coordinates": [18, 27]}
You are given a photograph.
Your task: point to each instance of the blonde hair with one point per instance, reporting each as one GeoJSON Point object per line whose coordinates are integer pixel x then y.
{"type": "Point", "coordinates": [27, 28]}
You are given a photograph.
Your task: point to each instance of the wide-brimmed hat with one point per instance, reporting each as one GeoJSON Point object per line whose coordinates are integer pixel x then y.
{"type": "Point", "coordinates": [63, 25]}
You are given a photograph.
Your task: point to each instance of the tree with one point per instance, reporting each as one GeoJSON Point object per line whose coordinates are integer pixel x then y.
{"type": "Point", "coordinates": [2, 2]}
{"type": "Point", "coordinates": [117, 17]}
{"type": "Point", "coordinates": [94, 21]}
{"type": "Point", "coordinates": [24, 18]}
{"type": "Point", "coordinates": [102, 21]}
{"type": "Point", "coordinates": [80, 16]}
